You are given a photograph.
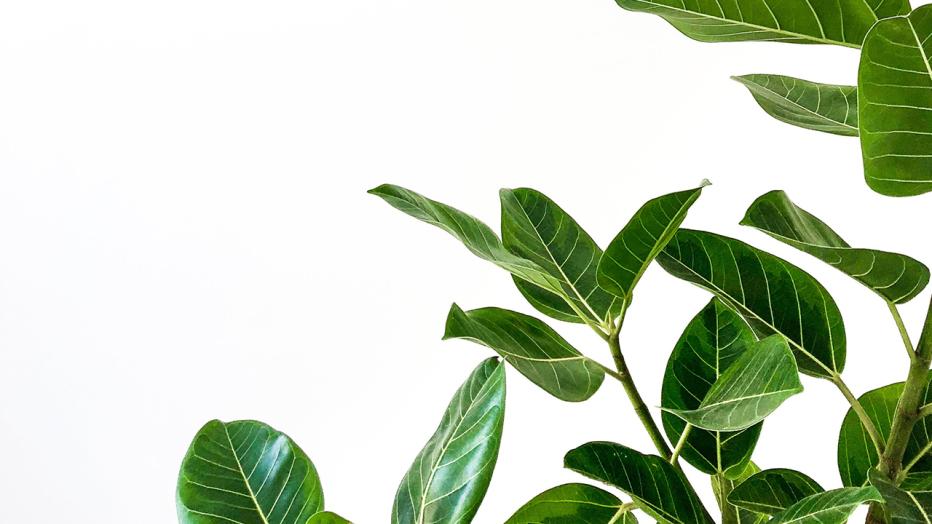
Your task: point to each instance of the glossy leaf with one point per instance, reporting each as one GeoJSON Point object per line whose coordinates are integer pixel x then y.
{"type": "Point", "coordinates": [820, 107]}
{"type": "Point", "coordinates": [532, 347]}
{"type": "Point", "coordinates": [895, 104]}
{"type": "Point", "coordinates": [658, 489]}
{"type": "Point", "coordinates": [773, 490]}
{"type": "Point", "coordinates": [451, 474]}
{"type": "Point", "coordinates": [327, 517]}
{"type": "Point", "coordinates": [639, 242]}
{"type": "Point", "coordinates": [773, 295]}
{"type": "Point", "coordinates": [897, 278]}
{"type": "Point", "coordinates": [246, 471]}
{"type": "Point", "coordinates": [722, 485]}
{"type": "Point", "coordinates": [573, 504]}
{"type": "Point", "coordinates": [711, 342]}
{"type": "Point", "coordinates": [901, 505]}
{"type": "Point", "coordinates": [828, 507]}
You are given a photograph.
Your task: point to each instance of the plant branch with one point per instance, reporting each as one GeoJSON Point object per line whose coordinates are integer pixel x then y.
{"type": "Point", "coordinates": [680, 444]}
{"type": "Point", "coordinates": [907, 343]}
{"type": "Point", "coordinates": [860, 412]}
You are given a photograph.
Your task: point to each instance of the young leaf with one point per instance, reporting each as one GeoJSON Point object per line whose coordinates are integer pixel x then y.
{"type": "Point", "coordinates": [843, 22]}
{"type": "Point", "coordinates": [820, 107]}
{"type": "Point", "coordinates": [450, 476]}
{"type": "Point", "coordinates": [658, 489]}
{"type": "Point", "coordinates": [711, 342]}
{"type": "Point", "coordinates": [573, 504]}
{"type": "Point", "coordinates": [750, 389]}
{"type": "Point", "coordinates": [639, 242]}
{"type": "Point", "coordinates": [327, 517]}
{"type": "Point", "coordinates": [828, 507]}
{"type": "Point", "coordinates": [895, 104]}
{"type": "Point", "coordinates": [535, 350]}
{"type": "Point", "coordinates": [722, 485]}
{"type": "Point", "coordinates": [896, 278]}
{"type": "Point", "coordinates": [773, 490]}
{"type": "Point", "coordinates": [902, 505]}
{"type": "Point", "coordinates": [246, 471]}
{"type": "Point", "coordinates": [773, 295]}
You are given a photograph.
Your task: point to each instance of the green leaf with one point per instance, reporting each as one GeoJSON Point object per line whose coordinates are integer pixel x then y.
{"type": "Point", "coordinates": [897, 278]}
{"type": "Point", "coordinates": [773, 490]}
{"type": "Point", "coordinates": [820, 107]}
{"type": "Point", "coordinates": [327, 517]}
{"type": "Point", "coordinates": [828, 507]}
{"type": "Point", "coordinates": [895, 104]}
{"type": "Point", "coordinates": [750, 389]}
{"type": "Point", "coordinates": [536, 228]}
{"type": "Point", "coordinates": [722, 486]}
{"type": "Point", "coordinates": [532, 347]}
{"type": "Point", "coordinates": [573, 504]}
{"type": "Point", "coordinates": [451, 474]}
{"type": "Point", "coordinates": [711, 342]}
{"type": "Point", "coordinates": [246, 471]}
{"type": "Point", "coordinates": [639, 242]}
{"type": "Point", "coordinates": [840, 22]}
{"type": "Point", "coordinates": [902, 505]}
{"type": "Point", "coordinates": [856, 454]}
{"type": "Point", "coordinates": [658, 489]}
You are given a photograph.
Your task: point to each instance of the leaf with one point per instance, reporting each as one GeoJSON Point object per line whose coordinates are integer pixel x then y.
{"type": "Point", "coordinates": [896, 278]}
{"type": "Point", "coordinates": [327, 517]}
{"type": "Point", "coordinates": [820, 107]}
{"type": "Point", "coordinates": [722, 485]}
{"type": "Point", "coordinates": [639, 242]}
{"type": "Point", "coordinates": [536, 228]}
{"type": "Point", "coordinates": [773, 295]}
{"type": "Point", "coordinates": [828, 507]}
{"type": "Point", "coordinates": [658, 489]}
{"type": "Point", "coordinates": [533, 348]}
{"type": "Point", "coordinates": [750, 389]}
{"type": "Point", "coordinates": [901, 505]}
{"type": "Point", "coordinates": [573, 504]}
{"type": "Point", "coordinates": [895, 104]}
{"type": "Point", "coordinates": [246, 471]}
{"type": "Point", "coordinates": [773, 490]}
{"type": "Point", "coordinates": [840, 22]}
{"type": "Point", "coordinates": [451, 474]}
{"type": "Point", "coordinates": [711, 342]}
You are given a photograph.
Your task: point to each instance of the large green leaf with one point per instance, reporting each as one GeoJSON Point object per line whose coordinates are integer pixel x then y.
{"type": "Point", "coordinates": [246, 471]}
{"type": "Point", "coordinates": [451, 474]}
{"type": "Point", "coordinates": [658, 489]}
{"type": "Point", "coordinates": [857, 455]}
{"type": "Point", "coordinates": [723, 485]}
{"type": "Point", "coordinates": [639, 242]}
{"type": "Point", "coordinates": [773, 490]}
{"type": "Point", "coordinates": [532, 347]}
{"type": "Point", "coordinates": [840, 22]}
{"type": "Point", "coordinates": [773, 295]}
{"type": "Point", "coordinates": [897, 278]}
{"type": "Point", "coordinates": [901, 505]}
{"type": "Point", "coordinates": [820, 107]}
{"type": "Point", "coordinates": [895, 104]}
{"type": "Point", "coordinates": [573, 504]}
{"type": "Point", "coordinates": [711, 342]}
{"type": "Point", "coordinates": [751, 388]}
{"type": "Point", "coordinates": [536, 228]}
{"type": "Point", "coordinates": [828, 507]}
{"type": "Point", "coordinates": [327, 517]}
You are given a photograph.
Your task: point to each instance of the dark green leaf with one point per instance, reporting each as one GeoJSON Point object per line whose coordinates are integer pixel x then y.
{"type": "Point", "coordinates": [246, 471]}
{"type": "Point", "coordinates": [573, 504]}
{"type": "Point", "coordinates": [895, 104]}
{"type": "Point", "coordinates": [658, 489]}
{"type": "Point", "coordinates": [722, 485]}
{"type": "Point", "coordinates": [820, 107]}
{"type": "Point", "coordinates": [537, 351]}
{"type": "Point", "coordinates": [773, 295]}
{"type": "Point", "coordinates": [450, 476]}
{"type": "Point", "coordinates": [773, 490]}
{"type": "Point", "coordinates": [901, 505]}
{"type": "Point", "coordinates": [639, 242]}
{"type": "Point", "coordinates": [896, 278]}
{"type": "Point", "coordinates": [327, 517]}
{"type": "Point", "coordinates": [828, 507]}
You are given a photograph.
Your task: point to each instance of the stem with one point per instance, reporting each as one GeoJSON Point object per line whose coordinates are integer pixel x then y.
{"type": "Point", "coordinates": [680, 444]}
{"type": "Point", "coordinates": [925, 411]}
{"type": "Point", "coordinates": [907, 343]}
{"type": "Point", "coordinates": [624, 508]}
{"type": "Point", "coordinates": [860, 412]}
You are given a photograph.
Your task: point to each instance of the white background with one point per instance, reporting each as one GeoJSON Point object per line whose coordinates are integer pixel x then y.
{"type": "Point", "coordinates": [185, 233]}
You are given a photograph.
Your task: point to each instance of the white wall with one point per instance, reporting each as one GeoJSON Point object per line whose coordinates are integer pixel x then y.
{"type": "Point", "coordinates": [185, 234]}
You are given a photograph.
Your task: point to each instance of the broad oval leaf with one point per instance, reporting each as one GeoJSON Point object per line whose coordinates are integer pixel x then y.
{"type": "Point", "coordinates": [711, 342]}
{"type": "Point", "coordinates": [828, 507]}
{"type": "Point", "coordinates": [902, 505]}
{"type": "Point", "coordinates": [451, 474]}
{"type": "Point", "coordinates": [639, 242]}
{"type": "Point", "coordinates": [327, 517]}
{"type": "Point", "coordinates": [532, 347]}
{"type": "Point", "coordinates": [897, 278]}
{"type": "Point", "coordinates": [722, 485]}
{"type": "Point", "coordinates": [821, 107]}
{"type": "Point", "coordinates": [753, 387]}
{"type": "Point", "coordinates": [895, 104]}
{"type": "Point", "coordinates": [658, 489]}
{"type": "Point", "coordinates": [573, 504]}
{"type": "Point", "coordinates": [773, 295]}
{"type": "Point", "coordinates": [246, 471]}
{"type": "Point", "coordinates": [773, 490]}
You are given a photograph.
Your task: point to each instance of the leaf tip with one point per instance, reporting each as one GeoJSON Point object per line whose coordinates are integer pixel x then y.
{"type": "Point", "coordinates": [705, 183]}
